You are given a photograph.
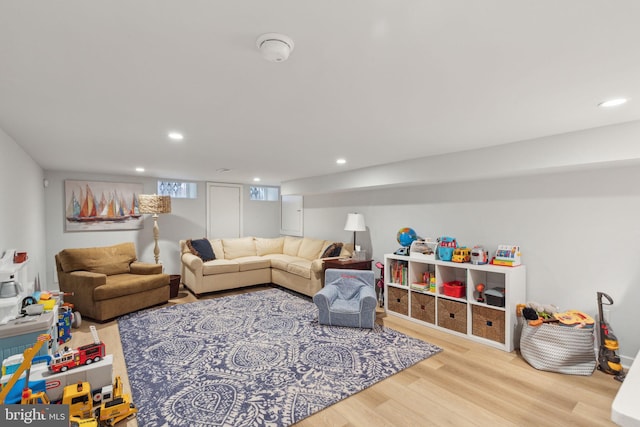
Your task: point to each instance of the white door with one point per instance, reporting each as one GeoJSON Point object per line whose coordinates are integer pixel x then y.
{"type": "Point", "coordinates": [291, 218]}
{"type": "Point", "coordinates": [224, 210]}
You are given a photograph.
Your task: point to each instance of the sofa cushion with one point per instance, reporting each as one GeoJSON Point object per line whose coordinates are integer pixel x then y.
{"type": "Point", "coordinates": [301, 267]}
{"type": "Point", "coordinates": [291, 245]}
{"type": "Point", "coordinates": [332, 250]}
{"type": "Point", "coordinates": [201, 248]}
{"type": "Point", "coordinates": [128, 284]}
{"type": "Point", "coordinates": [218, 250]}
{"type": "Point", "coordinates": [236, 248]}
{"type": "Point", "coordinates": [107, 260]}
{"type": "Point", "coordinates": [252, 263]}
{"type": "Point", "coordinates": [220, 266]}
{"type": "Point", "coordinates": [269, 246]}
{"type": "Point", "coordinates": [280, 261]}
{"type": "Point", "coordinates": [310, 248]}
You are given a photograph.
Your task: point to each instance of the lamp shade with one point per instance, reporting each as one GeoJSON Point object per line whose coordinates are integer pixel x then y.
{"type": "Point", "coordinates": [355, 222]}
{"type": "Point", "coordinates": [154, 204]}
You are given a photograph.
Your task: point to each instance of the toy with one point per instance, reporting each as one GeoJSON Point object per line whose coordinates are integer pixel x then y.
{"type": "Point", "coordinates": [423, 249]}
{"type": "Point", "coordinates": [507, 255]}
{"type": "Point", "coordinates": [111, 411]}
{"type": "Point", "coordinates": [80, 422]}
{"type": "Point", "coordinates": [608, 360]}
{"type": "Point", "coordinates": [461, 254]}
{"type": "Point", "coordinates": [64, 325]}
{"type": "Point", "coordinates": [479, 255]}
{"type": "Point", "coordinates": [27, 396]}
{"type": "Point", "coordinates": [445, 248]}
{"type": "Point", "coordinates": [480, 289]}
{"type": "Point", "coordinates": [405, 237]}
{"type": "Point", "coordinates": [98, 374]}
{"type": "Point", "coordinates": [574, 318]}
{"type": "Point", "coordinates": [380, 284]}
{"type": "Point", "coordinates": [86, 354]}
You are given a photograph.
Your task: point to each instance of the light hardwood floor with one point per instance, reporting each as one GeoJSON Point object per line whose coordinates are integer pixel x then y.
{"type": "Point", "coordinates": [467, 384]}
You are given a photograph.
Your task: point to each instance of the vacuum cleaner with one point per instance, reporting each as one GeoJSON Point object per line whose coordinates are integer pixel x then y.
{"type": "Point", "coordinates": [608, 360]}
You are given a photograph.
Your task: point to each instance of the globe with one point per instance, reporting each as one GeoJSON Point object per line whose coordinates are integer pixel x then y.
{"type": "Point", "coordinates": [406, 236]}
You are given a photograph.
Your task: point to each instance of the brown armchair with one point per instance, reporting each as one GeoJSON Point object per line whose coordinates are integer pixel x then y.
{"type": "Point", "coordinates": [108, 282]}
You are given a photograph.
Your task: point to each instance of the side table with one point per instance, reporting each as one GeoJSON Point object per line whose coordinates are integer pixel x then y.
{"type": "Point", "coordinates": [347, 263]}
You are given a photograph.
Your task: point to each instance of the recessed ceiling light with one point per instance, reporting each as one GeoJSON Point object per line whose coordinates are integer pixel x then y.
{"type": "Point", "coordinates": [139, 169]}
{"type": "Point", "coordinates": [176, 136]}
{"type": "Point", "coordinates": [256, 179]}
{"type": "Point", "coordinates": [341, 161]}
{"type": "Point", "coordinates": [612, 102]}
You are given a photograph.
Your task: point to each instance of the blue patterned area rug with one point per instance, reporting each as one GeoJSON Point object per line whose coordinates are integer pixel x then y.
{"type": "Point", "coordinates": [255, 359]}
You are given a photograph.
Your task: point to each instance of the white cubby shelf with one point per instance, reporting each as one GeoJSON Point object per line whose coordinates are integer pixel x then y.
{"type": "Point", "coordinates": [463, 315]}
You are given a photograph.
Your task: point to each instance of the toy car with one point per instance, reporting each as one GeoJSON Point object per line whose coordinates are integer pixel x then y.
{"type": "Point", "coordinates": [461, 255]}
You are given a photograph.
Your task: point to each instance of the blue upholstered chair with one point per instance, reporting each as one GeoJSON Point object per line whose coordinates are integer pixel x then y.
{"type": "Point", "coordinates": [347, 299]}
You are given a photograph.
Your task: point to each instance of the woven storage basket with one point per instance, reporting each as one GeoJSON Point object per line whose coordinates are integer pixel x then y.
{"type": "Point", "coordinates": [555, 348]}
{"type": "Point", "coordinates": [488, 323]}
{"type": "Point", "coordinates": [398, 300]}
{"type": "Point", "coordinates": [452, 315]}
{"type": "Point", "coordinates": [423, 307]}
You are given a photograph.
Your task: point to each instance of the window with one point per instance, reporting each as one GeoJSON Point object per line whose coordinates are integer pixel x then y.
{"type": "Point", "coordinates": [268, 194]}
{"type": "Point", "coordinates": [178, 190]}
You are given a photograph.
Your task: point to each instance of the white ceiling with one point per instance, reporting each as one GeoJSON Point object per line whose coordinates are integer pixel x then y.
{"type": "Point", "coordinates": [96, 85]}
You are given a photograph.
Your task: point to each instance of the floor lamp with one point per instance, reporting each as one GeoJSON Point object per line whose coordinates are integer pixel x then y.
{"type": "Point", "coordinates": [355, 222]}
{"type": "Point", "coordinates": [154, 204]}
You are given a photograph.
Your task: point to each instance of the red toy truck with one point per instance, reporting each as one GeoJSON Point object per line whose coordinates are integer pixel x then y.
{"type": "Point", "coordinates": [84, 355]}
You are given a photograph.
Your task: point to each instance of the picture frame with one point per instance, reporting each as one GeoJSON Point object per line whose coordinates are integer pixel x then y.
{"type": "Point", "coordinates": [101, 206]}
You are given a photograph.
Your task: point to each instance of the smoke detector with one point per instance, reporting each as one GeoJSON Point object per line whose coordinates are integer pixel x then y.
{"type": "Point", "coordinates": [275, 47]}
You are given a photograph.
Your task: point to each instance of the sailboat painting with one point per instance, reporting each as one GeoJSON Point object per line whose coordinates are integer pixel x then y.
{"type": "Point", "coordinates": [98, 206]}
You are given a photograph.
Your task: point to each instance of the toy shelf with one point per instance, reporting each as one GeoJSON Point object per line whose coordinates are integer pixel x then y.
{"type": "Point", "coordinates": [488, 318]}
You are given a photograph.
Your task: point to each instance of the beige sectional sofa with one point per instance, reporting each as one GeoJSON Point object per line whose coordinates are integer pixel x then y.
{"type": "Point", "coordinates": [291, 262]}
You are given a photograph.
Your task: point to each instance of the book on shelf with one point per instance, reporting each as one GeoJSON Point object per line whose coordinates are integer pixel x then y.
{"type": "Point", "coordinates": [420, 286]}
{"type": "Point", "coordinates": [399, 272]}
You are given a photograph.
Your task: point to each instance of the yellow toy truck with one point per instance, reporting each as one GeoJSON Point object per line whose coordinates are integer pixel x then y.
{"type": "Point", "coordinates": [111, 411]}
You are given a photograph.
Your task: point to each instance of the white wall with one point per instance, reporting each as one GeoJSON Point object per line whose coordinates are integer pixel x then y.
{"type": "Point", "coordinates": [578, 231]}
{"type": "Point", "coordinates": [187, 220]}
{"type": "Point", "coordinates": [22, 210]}
{"type": "Point", "coordinates": [600, 147]}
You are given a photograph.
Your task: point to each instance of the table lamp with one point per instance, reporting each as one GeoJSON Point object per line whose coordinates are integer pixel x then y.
{"type": "Point", "coordinates": [355, 222]}
{"type": "Point", "coordinates": [154, 204]}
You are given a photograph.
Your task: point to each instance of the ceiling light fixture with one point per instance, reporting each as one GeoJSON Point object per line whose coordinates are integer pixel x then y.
{"type": "Point", "coordinates": [275, 47]}
{"type": "Point", "coordinates": [341, 161]}
{"type": "Point", "coordinates": [176, 136]}
{"type": "Point", "coordinates": [256, 179]}
{"type": "Point", "coordinates": [612, 102]}
{"type": "Point", "coordinates": [139, 169]}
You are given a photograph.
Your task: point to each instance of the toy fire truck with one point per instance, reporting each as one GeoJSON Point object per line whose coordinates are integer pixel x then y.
{"type": "Point", "coordinates": [84, 355]}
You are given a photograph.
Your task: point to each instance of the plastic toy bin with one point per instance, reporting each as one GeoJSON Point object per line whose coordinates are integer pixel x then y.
{"type": "Point", "coordinates": [454, 289]}
{"type": "Point", "coordinates": [18, 335]}
{"type": "Point", "coordinates": [495, 297]}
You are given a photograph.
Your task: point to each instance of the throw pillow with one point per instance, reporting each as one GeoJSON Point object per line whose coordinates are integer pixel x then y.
{"type": "Point", "coordinates": [332, 250]}
{"type": "Point", "coordinates": [201, 248]}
